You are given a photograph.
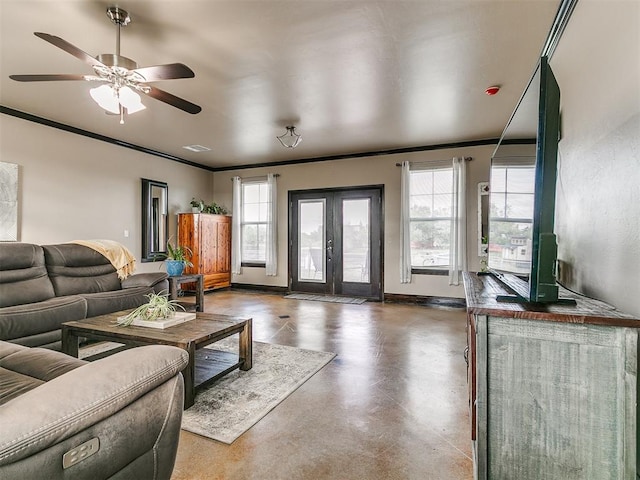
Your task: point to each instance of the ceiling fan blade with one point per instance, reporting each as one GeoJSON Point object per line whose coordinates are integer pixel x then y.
{"type": "Point", "coordinates": [177, 102]}
{"type": "Point", "coordinates": [67, 47]}
{"type": "Point", "coordinates": [165, 72]}
{"type": "Point", "coordinates": [47, 77]}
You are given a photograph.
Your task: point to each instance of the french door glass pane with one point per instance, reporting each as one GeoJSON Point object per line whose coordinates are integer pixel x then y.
{"type": "Point", "coordinates": [311, 241]}
{"type": "Point", "coordinates": [355, 240]}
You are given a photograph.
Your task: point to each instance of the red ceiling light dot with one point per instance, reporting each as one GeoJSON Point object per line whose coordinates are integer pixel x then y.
{"type": "Point", "coordinates": [492, 90]}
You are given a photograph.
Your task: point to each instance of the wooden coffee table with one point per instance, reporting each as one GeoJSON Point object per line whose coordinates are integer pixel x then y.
{"type": "Point", "coordinates": [205, 365]}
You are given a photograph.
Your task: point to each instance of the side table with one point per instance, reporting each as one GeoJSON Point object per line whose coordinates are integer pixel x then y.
{"type": "Point", "coordinates": [176, 281]}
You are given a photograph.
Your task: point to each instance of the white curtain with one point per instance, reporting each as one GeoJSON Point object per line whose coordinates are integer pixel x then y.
{"type": "Point", "coordinates": [458, 250]}
{"type": "Point", "coordinates": [405, 224]}
{"type": "Point", "coordinates": [272, 227]}
{"type": "Point", "coordinates": [236, 223]}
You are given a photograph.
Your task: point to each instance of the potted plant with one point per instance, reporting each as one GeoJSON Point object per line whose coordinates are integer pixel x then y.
{"type": "Point", "coordinates": [196, 205]}
{"type": "Point", "coordinates": [176, 259]}
{"type": "Point", "coordinates": [215, 209]}
{"type": "Point", "coordinates": [159, 307]}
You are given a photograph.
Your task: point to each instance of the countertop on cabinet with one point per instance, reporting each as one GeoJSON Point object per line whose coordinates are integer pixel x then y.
{"type": "Point", "coordinates": [481, 291]}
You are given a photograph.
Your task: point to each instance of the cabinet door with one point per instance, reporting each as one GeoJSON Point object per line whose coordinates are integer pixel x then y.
{"type": "Point", "coordinates": [559, 400]}
{"type": "Point", "coordinates": [223, 246]}
{"type": "Point", "coordinates": [188, 236]}
{"type": "Point", "coordinates": [208, 244]}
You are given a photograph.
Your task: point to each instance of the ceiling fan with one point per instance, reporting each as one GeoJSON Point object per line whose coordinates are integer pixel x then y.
{"type": "Point", "coordinates": [120, 75]}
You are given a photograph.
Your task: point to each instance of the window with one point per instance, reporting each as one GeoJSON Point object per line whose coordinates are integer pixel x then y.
{"type": "Point", "coordinates": [511, 217]}
{"type": "Point", "coordinates": [255, 207]}
{"type": "Point", "coordinates": [254, 232]}
{"type": "Point", "coordinates": [430, 206]}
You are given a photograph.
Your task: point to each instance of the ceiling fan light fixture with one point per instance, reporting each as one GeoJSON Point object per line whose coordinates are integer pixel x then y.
{"type": "Point", "coordinates": [130, 100]}
{"type": "Point", "coordinates": [290, 139]}
{"type": "Point", "coordinates": [105, 97]}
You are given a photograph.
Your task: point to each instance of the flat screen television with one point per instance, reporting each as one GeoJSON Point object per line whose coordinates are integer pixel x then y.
{"type": "Point", "coordinates": [522, 250]}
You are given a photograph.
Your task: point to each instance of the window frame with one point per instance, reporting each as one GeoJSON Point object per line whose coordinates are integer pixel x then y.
{"type": "Point", "coordinates": [436, 269]}
{"type": "Point", "coordinates": [243, 222]}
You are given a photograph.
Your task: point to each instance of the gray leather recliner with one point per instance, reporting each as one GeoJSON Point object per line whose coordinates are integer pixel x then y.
{"type": "Point", "coordinates": [118, 417]}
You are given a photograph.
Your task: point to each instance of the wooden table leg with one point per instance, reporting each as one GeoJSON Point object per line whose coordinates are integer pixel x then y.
{"type": "Point", "coordinates": [200, 294]}
{"type": "Point", "coordinates": [246, 346]}
{"type": "Point", "coordinates": [189, 376]}
{"type": "Point", "coordinates": [173, 288]}
{"type": "Point", "coordinates": [69, 342]}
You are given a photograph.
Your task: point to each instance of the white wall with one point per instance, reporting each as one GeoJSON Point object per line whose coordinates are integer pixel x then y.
{"type": "Point", "coordinates": [72, 187]}
{"type": "Point", "coordinates": [377, 170]}
{"type": "Point", "coordinates": [597, 65]}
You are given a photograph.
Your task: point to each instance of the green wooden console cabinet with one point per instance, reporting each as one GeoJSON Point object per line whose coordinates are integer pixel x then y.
{"type": "Point", "coordinates": [553, 389]}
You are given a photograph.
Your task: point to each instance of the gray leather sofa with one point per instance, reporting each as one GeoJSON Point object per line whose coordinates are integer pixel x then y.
{"type": "Point", "coordinates": [42, 287]}
{"type": "Point", "coordinates": [118, 417]}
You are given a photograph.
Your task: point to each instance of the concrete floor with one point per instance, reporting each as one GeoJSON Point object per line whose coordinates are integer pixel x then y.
{"type": "Point", "coordinates": [391, 405]}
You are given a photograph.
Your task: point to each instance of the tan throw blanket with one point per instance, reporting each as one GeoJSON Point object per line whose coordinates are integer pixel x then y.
{"type": "Point", "coordinates": [119, 256]}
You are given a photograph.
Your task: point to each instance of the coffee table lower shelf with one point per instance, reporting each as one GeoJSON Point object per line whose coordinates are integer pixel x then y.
{"type": "Point", "coordinates": [213, 364]}
{"type": "Point", "coordinates": [210, 364]}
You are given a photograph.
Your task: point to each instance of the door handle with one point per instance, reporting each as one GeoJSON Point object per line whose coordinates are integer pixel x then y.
{"type": "Point", "coordinates": [329, 249]}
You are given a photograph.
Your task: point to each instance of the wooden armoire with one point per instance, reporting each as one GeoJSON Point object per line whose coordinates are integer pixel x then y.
{"type": "Point", "coordinates": [209, 238]}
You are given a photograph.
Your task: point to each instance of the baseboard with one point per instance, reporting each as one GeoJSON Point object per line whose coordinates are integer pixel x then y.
{"type": "Point", "coordinates": [259, 288]}
{"type": "Point", "coordinates": [438, 302]}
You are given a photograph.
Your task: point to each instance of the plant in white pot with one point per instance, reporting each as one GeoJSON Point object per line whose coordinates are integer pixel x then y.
{"type": "Point", "coordinates": [196, 205]}
{"type": "Point", "coordinates": [158, 308]}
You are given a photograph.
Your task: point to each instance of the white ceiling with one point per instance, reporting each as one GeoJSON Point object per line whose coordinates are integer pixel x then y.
{"type": "Point", "coordinates": [352, 76]}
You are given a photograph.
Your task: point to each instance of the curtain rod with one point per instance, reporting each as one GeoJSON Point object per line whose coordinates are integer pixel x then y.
{"type": "Point", "coordinates": [466, 159]}
{"type": "Point", "coordinates": [258, 177]}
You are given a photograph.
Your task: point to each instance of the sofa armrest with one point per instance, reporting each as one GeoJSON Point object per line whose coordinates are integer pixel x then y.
{"type": "Point", "coordinates": [144, 279]}
{"type": "Point", "coordinates": [82, 397]}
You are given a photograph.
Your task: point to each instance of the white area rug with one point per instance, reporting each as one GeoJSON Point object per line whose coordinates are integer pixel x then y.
{"type": "Point", "coordinates": [226, 409]}
{"type": "Point", "coordinates": [325, 298]}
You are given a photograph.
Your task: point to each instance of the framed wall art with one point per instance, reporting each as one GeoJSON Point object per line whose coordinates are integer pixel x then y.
{"type": "Point", "coordinates": [8, 201]}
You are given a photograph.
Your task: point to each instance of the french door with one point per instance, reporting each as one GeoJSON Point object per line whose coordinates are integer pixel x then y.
{"type": "Point", "coordinates": [335, 241]}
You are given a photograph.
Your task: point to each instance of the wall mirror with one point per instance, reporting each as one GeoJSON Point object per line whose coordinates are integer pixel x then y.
{"type": "Point", "coordinates": [155, 220]}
